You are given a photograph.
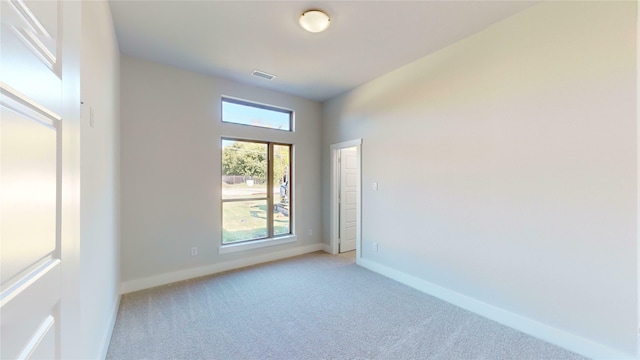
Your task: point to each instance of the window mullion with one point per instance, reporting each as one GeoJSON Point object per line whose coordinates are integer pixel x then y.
{"type": "Point", "coordinates": [270, 203]}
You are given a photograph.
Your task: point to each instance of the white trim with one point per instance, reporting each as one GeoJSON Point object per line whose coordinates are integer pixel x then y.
{"type": "Point", "coordinates": [167, 278]}
{"type": "Point", "coordinates": [333, 207]}
{"type": "Point", "coordinates": [28, 31]}
{"type": "Point", "coordinates": [346, 144]}
{"type": "Point", "coordinates": [41, 333]}
{"type": "Point", "coordinates": [29, 17]}
{"type": "Point", "coordinates": [70, 241]}
{"type": "Point", "coordinates": [108, 331]}
{"type": "Point", "coordinates": [24, 284]}
{"type": "Point", "coordinates": [20, 103]}
{"type": "Point", "coordinates": [539, 330]}
{"type": "Point", "coordinates": [231, 248]}
{"type": "Point", "coordinates": [326, 248]}
{"type": "Point", "coordinates": [637, 178]}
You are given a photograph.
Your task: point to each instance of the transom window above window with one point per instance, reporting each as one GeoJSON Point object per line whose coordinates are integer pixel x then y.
{"type": "Point", "coordinates": [246, 113]}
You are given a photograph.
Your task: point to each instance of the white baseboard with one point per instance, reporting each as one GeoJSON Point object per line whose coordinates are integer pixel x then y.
{"type": "Point", "coordinates": [327, 248]}
{"type": "Point", "coordinates": [108, 331]}
{"type": "Point", "coordinates": [539, 330]}
{"type": "Point", "coordinates": [167, 278]}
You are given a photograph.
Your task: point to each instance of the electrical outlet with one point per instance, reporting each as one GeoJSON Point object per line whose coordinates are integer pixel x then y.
{"type": "Point", "coordinates": [374, 186]}
{"type": "Point", "coordinates": [194, 251]}
{"type": "Point", "coordinates": [375, 246]}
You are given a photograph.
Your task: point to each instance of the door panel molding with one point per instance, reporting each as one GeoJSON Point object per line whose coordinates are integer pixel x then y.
{"type": "Point", "coordinates": [12, 99]}
{"type": "Point", "coordinates": [44, 334]}
{"type": "Point", "coordinates": [43, 285]}
{"type": "Point", "coordinates": [30, 140]}
{"type": "Point", "coordinates": [27, 27]}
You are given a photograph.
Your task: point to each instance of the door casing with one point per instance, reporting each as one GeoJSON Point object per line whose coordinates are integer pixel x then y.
{"type": "Point", "coordinates": [334, 210]}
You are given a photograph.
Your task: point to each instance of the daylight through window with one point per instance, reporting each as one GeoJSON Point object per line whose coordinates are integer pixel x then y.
{"type": "Point", "coordinates": [264, 116]}
{"type": "Point", "coordinates": [256, 190]}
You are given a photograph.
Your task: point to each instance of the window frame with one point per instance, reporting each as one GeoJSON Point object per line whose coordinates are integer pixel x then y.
{"type": "Point", "coordinates": [256, 105]}
{"type": "Point", "coordinates": [271, 238]}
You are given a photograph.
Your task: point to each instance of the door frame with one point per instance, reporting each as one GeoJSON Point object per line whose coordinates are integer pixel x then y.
{"type": "Point", "coordinates": [333, 208]}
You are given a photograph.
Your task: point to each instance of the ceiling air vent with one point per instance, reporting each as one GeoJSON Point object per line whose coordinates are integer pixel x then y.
{"type": "Point", "coordinates": [262, 74]}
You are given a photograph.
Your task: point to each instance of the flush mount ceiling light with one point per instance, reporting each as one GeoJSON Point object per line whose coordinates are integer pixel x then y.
{"type": "Point", "coordinates": [314, 21]}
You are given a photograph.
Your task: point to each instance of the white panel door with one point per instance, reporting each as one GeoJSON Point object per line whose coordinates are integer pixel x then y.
{"type": "Point", "coordinates": [348, 199]}
{"type": "Point", "coordinates": [30, 179]}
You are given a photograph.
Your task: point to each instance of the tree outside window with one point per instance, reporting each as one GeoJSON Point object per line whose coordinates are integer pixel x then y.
{"type": "Point", "coordinates": [256, 192]}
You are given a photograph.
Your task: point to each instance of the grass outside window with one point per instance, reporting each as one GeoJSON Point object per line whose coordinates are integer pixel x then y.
{"type": "Point", "coordinates": [249, 210]}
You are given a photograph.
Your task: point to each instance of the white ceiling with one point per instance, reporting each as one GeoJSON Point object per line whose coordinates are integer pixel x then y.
{"type": "Point", "coordinates": [366, 39]}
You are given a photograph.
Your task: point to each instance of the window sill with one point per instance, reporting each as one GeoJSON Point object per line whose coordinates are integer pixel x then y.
{"type": "Point", "coordinates": [231, 248]}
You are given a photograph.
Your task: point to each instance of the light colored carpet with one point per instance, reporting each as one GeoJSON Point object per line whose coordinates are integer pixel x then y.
{"type": "Point", "coordinates": [315, 306]}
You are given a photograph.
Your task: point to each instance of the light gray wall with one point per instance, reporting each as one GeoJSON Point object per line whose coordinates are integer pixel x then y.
{"type": "Point", "coordinates": [507, 167]}
{"type": "Point", "coordinates": [99, 179]}
{"type": "Point", "coordinates": [171, 167]}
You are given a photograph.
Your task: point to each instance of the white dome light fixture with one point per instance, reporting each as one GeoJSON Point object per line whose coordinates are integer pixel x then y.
{"type": "Point", "coordinates": [314, 21]}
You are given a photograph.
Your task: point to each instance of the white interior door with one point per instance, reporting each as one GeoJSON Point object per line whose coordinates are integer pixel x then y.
{"type": "Point", "coordinates": [348, 199]}
{"type": "Point", "coordinates": [30, 180]}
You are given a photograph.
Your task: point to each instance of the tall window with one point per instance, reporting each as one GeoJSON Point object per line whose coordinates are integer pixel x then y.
{"type": "Point", "coordinates": [256, 190]}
